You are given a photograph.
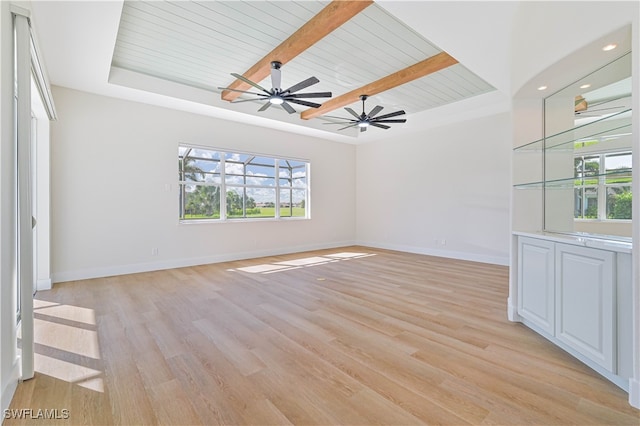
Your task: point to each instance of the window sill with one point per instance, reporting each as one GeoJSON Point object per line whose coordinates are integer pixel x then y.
{"type": "Point", "coordinates": [241, 220]}
{"type": "Point", "coordinates": [603, 220]}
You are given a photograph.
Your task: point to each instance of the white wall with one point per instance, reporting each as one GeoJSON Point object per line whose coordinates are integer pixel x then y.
{"type": "Point", "coordinates": [545, 32]}
{"type": "Point", "coordinates": [113, 160]}
{"type": "Point", "coordinates": [449, 184]}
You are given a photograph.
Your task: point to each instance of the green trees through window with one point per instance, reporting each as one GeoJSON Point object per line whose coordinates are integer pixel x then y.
{"type": "Point", "coordinates": [603, 186]}
{"type": "Point", "coordinates": [254, 186]}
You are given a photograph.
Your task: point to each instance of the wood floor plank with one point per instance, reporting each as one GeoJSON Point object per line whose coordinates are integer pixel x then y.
{"type": "Point", "coordinates": [353, 335]}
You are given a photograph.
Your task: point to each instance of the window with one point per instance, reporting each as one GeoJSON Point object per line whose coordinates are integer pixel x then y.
{"type": "Point", "coordinates": [219, 185]}
{"type": "Point", "coordinates": [587, 171]}
{"type": "Point", "coordinates": [293, 184]}
{"type": "Point", "coordinates": [200, 183]}
{"type": "Point", "coordinates": [603, 186]}
{"type": "Point", "coordinates": [617, 184]}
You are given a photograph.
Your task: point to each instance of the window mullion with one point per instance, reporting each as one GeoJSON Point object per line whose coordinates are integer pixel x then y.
{"type": "Point", "coordinates": [602, 190]}
{"type": "Point", "coordinates": [244, 189]}
{"type": "Point", "coordinates": [277, 178]}
{"type": "Point", "coordinates": [223, 186]}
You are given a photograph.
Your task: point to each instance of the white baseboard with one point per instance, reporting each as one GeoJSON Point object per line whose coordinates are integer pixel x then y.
{"type": "Point", "coordinates": [619, 381]}
{"type": "Point", "coordinates": [634, 393]}
{"type": "Point", "coordinates": [45, 284]}
{"type": "Point", "coordinates": [512, 311]}
{"type": "Point", "coordinates": [451, 254]}
{"type": "Point", "coordinates": [109, 271]}
{"type": "Point", "coordinates": [10, 388]}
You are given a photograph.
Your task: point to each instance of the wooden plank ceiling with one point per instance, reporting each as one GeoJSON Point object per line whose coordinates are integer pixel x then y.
{"type": "Point", "coordinates": [199, 44]}
{"type": "Point", "coordinates": [327, 20]}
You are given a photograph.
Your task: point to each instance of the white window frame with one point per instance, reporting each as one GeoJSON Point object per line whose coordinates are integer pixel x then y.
{"type": "Point", "coordinates": [601, 186]}
{"type": "Point", "coordinates": [226, 186]}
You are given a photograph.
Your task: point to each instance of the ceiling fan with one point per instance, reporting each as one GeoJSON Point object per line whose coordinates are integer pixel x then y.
{"type": "Point", "coordinates": [365, 120]}
{"type": "Point", "coordinates": [277, 96]}
{"type": "Point", "coordinates": [601, 107]}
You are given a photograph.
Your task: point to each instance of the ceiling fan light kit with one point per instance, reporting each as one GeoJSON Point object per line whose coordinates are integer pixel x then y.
{"type": "Point", "coordinates": [277, 96]}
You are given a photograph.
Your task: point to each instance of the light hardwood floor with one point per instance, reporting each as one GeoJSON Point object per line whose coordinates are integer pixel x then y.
{"type": "Point", "coordinates": [351, 336]}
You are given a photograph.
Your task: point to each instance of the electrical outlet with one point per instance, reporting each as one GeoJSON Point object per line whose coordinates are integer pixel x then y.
{"type": "Point", "coordinates": [154, 251]}
{"type": "Point", "coordinates": [443, 242]}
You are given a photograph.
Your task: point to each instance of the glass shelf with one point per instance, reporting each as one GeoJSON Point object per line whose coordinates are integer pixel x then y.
{"type": "Point", "coordinates": [602, 130]}
{"type": "Point", "coordinates": [551, 159]}
{"type": "Point", "coordinates": [569, 183]}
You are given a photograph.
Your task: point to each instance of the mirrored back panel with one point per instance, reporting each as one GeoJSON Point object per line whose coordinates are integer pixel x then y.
{"type": "Point", "coordinates": [587, 152]}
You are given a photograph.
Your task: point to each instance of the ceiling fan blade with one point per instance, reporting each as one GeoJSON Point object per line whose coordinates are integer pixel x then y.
{"type": "Point", "coordinates": [352, 112]}
{"type": "Point", "coordinates": [339, 122]}
{"type": "Point", "coordinates": [265, 106]}
{"type": "Point", "coordinates": [391, 114]}
{"type": "Point", "coordinates": [237, 101]}
{"type": "Point", "coordinates": [303, 84]}
{"type": "Point", "coordinates": [310, 95]}
{"type": "Point", "coordinates": [276, 78]}
{"type": "Point", "coordinates": [375, 110]}
{"type": "Point", "coordinates": [242, 91]}
{"type": "Point", "coordinates": [598, 109]}
{"type": "Point", "coordinates": [607, 100]}
{"type": "Point", "coordinates": [351, 125]}
{"type": "Point", "coordinates": [377, 120]}
{"type": "Point", "coordinates": [288, 108]}
{"type": "Point", "coordinates": [246, 80]}
{"type": "Point", "coordinates": [334, 116]}
{"type": "Point", "coordinates": [301, 102]}
{"type": "Point", "coordinates": [382, 126]}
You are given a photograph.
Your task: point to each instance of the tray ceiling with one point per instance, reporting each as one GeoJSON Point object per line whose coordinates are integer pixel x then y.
{"type": "Point", "coordinates": [198, 44]}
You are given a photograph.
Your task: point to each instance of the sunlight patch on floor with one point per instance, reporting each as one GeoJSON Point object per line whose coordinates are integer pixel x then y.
{"type": "Point", "coordinates": [287, 265]}
{"type": "Point", "coordinates": [69, 372]}
{"type": "Point", "coordinates": [37, 304]}
{"type": "Point", "coordinates": [71, 313]}
{"type": "Point", "coordinates": [65, 338]}
{"type": "Point", "coordinates": [267, 267]}
{"type": "Point", "coordinates": [316, 260]}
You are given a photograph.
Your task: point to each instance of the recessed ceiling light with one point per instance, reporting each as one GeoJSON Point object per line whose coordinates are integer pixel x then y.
{"type": "Point", "coordinates": [542, 88]}
{"type": "Point", "coordinates": [585, 86]}
{"type": "Point", "coordinates": [609, 47]}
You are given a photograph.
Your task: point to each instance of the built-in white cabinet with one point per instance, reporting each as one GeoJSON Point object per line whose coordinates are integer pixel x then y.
{"type": "Point", "coordinates": [536, 290]}
{"type": "Point", "coordinates": [574, 295]}
{"type": "Point", "coordinates": [584, 302]}
{"type": "Point", "coordinates": [573, 271]}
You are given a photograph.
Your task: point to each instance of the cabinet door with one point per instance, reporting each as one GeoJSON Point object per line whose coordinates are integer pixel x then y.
{"type": "Point", "coordinates": [536, 294]}
{"type": "Point", "coordinates": [585, 311]}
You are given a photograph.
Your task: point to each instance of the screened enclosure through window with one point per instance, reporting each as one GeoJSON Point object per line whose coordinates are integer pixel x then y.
{"type": "Point", "coordinates": [223, 185]}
